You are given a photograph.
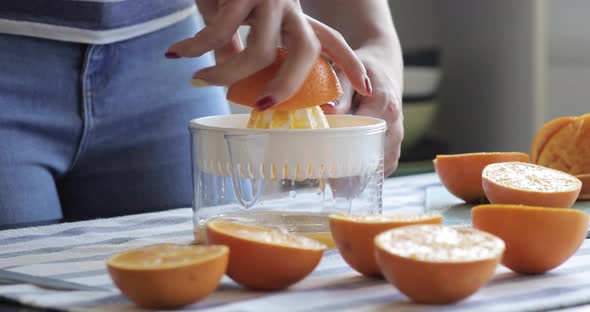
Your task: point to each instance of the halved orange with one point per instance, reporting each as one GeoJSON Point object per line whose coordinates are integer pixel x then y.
{"type": "Point", "coordinates": [537, 239]}
{"type": "Point", "coordinates": [585, 192]}
{"type": "Point", "coordinates": [461, 173]}
{"type": "Point", "coordinates": [320, 86]}
{"type": "Point", "coordinates": [568, 149]}
{"type": "Point", "coordinates": [168, 276]}
{"type": "Point", "coordinates": [437, 264]}
{"type": "Point", "coordinates": [265, 258]}
{"type": "Point", "coordinates": [354, 235]}
{"type": "Point", "coordinates": [546, 133]}
{"type": "Point", "coordinates": [529, 184]}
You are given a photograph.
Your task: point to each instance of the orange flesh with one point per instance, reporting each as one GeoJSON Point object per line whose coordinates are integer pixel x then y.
{"type": "Point", "coordinates": [437, 264]}
{"type": "Point", "coordinates": [265, 235]}
{"type": "Point", "coordinates": [440, 244]}
{"type": "Point", "coordinates": [402, 218]}
{"type": "Point", "coordinates": [304, 118]}
{"type": "Point", "coordinates": [262, 258]}
{"type": "Point", "coordinates": [461, 173]}
{"type": "Point", "coordinates": [167, 276]}
{"type": "Point", "coordinates": [166, 256]}
{"type": "Point", "coordinates": [322, 237]}
{"type": "Point", "coordinates": [354, 236]}
{"type": "Point", "coordinates": [530, 177]}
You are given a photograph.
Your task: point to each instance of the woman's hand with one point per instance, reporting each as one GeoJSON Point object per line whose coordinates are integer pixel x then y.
{"type": "Point", "coordinates": [368, 27]}
{"type": "Point", "coordinates": [273, 23]}
{"type": "Point", "coordinates": [385, 103]}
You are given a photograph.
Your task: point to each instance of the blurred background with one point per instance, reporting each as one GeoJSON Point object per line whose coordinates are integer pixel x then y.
{"type": "Point", "coordinates": [504, 68]}
{"type": "Point", "coordinates": [485, 75]}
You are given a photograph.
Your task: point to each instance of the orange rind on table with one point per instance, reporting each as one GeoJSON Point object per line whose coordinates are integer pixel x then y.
{"type": "Point", "coordinates": [538, 239]}
{"type": "Point", "coordinates": [529, 184]}
{"type": "Point", "coordinates": [564, 144]}
{"type": "Point", "coordinates": [461, 173]}
{"type": "Point", "coordinates": [567, 150]}
{"type": "Point", "coordinates": [263, 258]}
{"type": "Point", "coordinates": [437, 264]}
{"type": "Point", "coordinates": [354, 236]}
{"type": "Point", "coordinates": [585, 192]}
{"type": "Point", "coordinates": [546, 133]}
{"type": "Point", "coordinates": [168, 276]}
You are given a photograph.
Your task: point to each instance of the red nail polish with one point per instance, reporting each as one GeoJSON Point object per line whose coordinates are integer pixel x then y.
{"type": "Point", "coordinates": [368, 86]}
{"type": "Point", "coordinates": [329, 105]}
{"type": "Point", "coordinates": [265, 103]}
{"type": "Point", "coordinates": [171, 55]}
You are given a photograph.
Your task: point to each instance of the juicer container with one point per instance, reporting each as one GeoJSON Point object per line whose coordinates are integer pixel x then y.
{"type": "Point", "coordinates": [288, 178]}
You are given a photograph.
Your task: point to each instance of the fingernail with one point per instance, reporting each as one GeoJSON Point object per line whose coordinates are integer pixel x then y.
{"type": "Point", "coordinates": [368, 86]}
{"type": "Point", "coordinates": [198, 83]}
{"type": "Point", "coordinates": [329, 105]}
{"type": "Point", "coordinates": [265, 103]}
{"type": "Point", "coordinates": [171, 55]}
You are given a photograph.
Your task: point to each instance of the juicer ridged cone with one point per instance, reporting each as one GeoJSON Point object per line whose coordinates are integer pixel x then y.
{"type": "Point", "coordinates": [353, 146]}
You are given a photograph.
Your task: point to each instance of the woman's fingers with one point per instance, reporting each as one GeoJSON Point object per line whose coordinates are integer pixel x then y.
{"type": "Point", "coordinates": [230, 49]}
{"type": "Point", "coordinates": [208, 9]}
{"type": "Point", "coordinates": [385, 105]}
{"type": "Point", "coordinates": [335, 46]}
{"type": "Point", "coordinates": [272, 23]}
{"type": "Point", "coordinates": [304, 47]}
{"type": "Point", "coordinates": [219, 30]}
{"type": "Point", "coordinates": [259, 53]}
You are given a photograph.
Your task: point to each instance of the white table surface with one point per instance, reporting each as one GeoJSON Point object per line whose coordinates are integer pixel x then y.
{"type": "Point", "coordinates": [77, 252]}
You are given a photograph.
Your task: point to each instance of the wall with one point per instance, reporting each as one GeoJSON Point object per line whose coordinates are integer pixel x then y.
{"type": "Point", "coordinates": [494, 66]}
{"type": "Point", "coordinates": [416, 23]}
{"type": "Point", "coordinates": [493, 61]}
{"type": "Point", "coordinates": [509, 66]}
{"type": "Point", "coordinates": [568, 72]}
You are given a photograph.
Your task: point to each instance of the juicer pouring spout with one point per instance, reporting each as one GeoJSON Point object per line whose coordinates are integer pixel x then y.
{"type": "Point", "coordinates": [246, 154]}
{"type": "Point", "coordinates": [248, 191]}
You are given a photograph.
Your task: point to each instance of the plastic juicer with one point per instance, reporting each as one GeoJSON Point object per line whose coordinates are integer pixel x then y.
{"type": "Point", "coordinates": [291, 179]}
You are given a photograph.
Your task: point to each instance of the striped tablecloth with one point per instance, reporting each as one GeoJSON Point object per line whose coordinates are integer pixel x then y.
{"type": "Point", "coordinates": [77, 252]}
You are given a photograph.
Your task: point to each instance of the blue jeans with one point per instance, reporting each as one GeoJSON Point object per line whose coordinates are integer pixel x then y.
{"type": "Point", "coordinates": [90, 131]}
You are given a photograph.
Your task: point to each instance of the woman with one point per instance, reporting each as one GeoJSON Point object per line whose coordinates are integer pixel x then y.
{"type": "Point", "coordinates": [93, 117]}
